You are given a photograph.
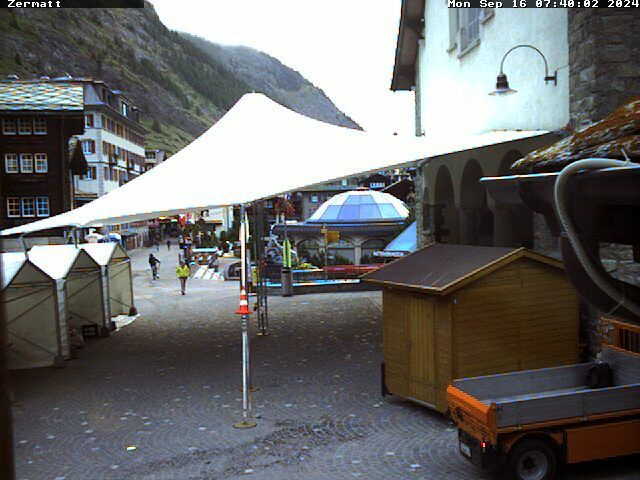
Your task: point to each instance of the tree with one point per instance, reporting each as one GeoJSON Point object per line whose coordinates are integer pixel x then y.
{"type": "Point", "coordinates": [156, 126]}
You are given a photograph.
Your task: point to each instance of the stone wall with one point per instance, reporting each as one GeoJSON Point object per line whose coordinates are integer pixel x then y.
{"type": "Point", "coordinates": [604, 61]}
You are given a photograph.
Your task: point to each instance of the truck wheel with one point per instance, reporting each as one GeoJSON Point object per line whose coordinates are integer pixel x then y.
{"type": "Point", "coordinates": [532, 460]}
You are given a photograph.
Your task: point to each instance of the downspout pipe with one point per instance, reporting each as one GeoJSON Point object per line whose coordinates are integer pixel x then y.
{"type": "Point", "coordinates": [599, 288]}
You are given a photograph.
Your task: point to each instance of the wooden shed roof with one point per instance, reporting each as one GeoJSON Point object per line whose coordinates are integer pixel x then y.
{"type": "Point", "coordinates": [442, 268]}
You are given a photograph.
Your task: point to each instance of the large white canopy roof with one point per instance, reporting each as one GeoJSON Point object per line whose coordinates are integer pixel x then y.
{"type": "Point", "coordinates": [257, 150]}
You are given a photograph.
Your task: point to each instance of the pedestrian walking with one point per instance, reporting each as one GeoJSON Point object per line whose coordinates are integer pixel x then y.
{"type": "Point", "coordinates": [157, 243]}
{"type": "Point", "coordinates": [153, 263]}
{"type": "Point", "coordinates": [183, 272]}
{"type": "Point", "coordinates": [168, 244]}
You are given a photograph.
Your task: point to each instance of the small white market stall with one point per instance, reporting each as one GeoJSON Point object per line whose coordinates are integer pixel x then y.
{"type": "Point", "coordinates": [35, 314]}
{"type": "Point", "coordinates": [117, 277]}
{"type": "Point", "coordinates": [87, 310]}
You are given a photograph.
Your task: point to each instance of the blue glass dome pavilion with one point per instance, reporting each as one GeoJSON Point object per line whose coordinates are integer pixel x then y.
{"type": "Point", "coordinates": [366, 219]}
{"type": "Point", "coordinates": [360, 206]}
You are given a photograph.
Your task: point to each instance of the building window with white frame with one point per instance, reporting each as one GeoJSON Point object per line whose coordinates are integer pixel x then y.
{"type": "Point", "coordinates": [40, 126]}
{"type": "Point", "coordinates": [88, 147]}
{"type": "Point", "coordinates": [464, 27]}
{"type": "Point", "coordinates": [24, 126]}
{"type": "Point", "coordinates": [88, 120]}
{"type": "Point", "coordinates": [26, 163]}
{"type": "Point", "coordinates": [92, 174]}
{"type": "Point", "coordinates": [42, 207]}
{"type": "Point", "coordinates": [8, 126]}
{"type": "Point", "coordinates": [28, 207]}
{"type": "Point", "coordinates": [13, 207]}
{"type": "Point", "coordinates": [42, 163]}
{"type": "Point", "coordinates": [11, 164]}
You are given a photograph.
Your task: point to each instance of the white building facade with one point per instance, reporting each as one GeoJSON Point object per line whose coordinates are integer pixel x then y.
{"type": "Point", "coordinates": [459, 59]}
{"type": "Point", "coordinates": [113, 145]}
{"type": "Point", "coordinates": [113, 142]}
{"type": "Point", "coordinates": [451, 58]}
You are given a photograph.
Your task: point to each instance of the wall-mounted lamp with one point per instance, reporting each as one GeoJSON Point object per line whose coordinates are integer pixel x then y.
{"type": "Point", "coordinates": [502, 84]}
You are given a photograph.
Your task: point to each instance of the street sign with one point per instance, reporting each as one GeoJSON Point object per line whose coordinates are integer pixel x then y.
{"type": "Point", "coordinates": [332, 236]}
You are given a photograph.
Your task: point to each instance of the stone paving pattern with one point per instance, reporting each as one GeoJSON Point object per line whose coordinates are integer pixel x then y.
{"type": "Point", "coordinates": [168, 385]}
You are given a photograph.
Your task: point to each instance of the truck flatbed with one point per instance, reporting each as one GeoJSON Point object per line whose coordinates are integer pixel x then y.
{"type": "Point", "coordinates": [558, 393]}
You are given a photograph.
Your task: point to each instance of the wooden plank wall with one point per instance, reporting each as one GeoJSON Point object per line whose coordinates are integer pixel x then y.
{"type": "Point", "coordinates": [522, 316]}
{"type": "Point", "coordinates": [443, 352]}
{"type": "Point", "coordinates": [394, 342]}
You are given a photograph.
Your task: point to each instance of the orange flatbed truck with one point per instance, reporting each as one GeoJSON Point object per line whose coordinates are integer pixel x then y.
{"type": "Point", "coordinates": [529, 421]}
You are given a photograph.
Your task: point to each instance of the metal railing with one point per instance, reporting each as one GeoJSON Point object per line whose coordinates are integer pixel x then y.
{"type": "Point", "coordinates": [620, 335]}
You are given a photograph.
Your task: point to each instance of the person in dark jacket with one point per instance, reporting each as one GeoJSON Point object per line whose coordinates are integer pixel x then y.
{"type": "Point", "coordinates": [153, 263]}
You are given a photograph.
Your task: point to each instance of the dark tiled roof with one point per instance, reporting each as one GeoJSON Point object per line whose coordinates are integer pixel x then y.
{"type": "Point", "coordinates": [41, 96]}
{"type": "Point", "coordinates": [606, 138]}
{"type": "Point", "coordinates": [440, 266]}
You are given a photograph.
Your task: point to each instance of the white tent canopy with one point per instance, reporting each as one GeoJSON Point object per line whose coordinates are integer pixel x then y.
{"type": "Point", "coordinates": [257, 150]}
{"type": "Point", "coordinates": [35, 314]}
{"type": "Point", "coordinates": [84, 285]}
{"type": "Point", "coordinates": [117, 276]}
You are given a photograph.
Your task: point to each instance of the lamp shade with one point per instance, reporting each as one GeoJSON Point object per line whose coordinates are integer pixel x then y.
{"type": "Point", "coordinates": [502, 86]}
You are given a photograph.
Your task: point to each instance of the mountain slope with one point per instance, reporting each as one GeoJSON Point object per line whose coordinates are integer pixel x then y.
{"type": "Point", "coordinates": [268, 75]}
{"type": "Point", "coordinates": [180, 89]}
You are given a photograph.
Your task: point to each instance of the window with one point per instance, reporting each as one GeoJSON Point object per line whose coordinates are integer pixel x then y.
{"type": "Point", "coordinates": [464, 27]}
{"type": "Point", "coordinates": [106, 173]}
{"type": "Point", "coordinates": [88, 147]}
{"type": "Point", "coordinates": [13, 207]}
{"type": "Point", "coordinates": [42, 164]}
{"type": "Point", "coordinates": [88, 120]}
{"type": "Point", "coordinates": [26, 163]}
{"type": "Point", "coordinates": [40, 126]}
{"type": "Point", "coordinates": [28, 207]}
{"type": "Point", "coordinates": [11, 163]}
{"type": "Point", "coordinates": [24, 126]}
{"type": "Point", "coordinates": [8, 126]}
{"type": "Point", "coordinates": [469, 26]}
{"type": "Point", "coordinates": [92, 174]}
{"type": "Point", "coordinates": [42, 207]}
{"type": "Point", "coordinates": [314, 198]}
{"type": "Point", "coordinates": [124, 109]}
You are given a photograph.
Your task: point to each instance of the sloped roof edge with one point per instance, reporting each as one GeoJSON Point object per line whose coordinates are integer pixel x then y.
{"type": "Point", "coordinates": [404, 68]}
{"type": "Point", "coordinates": [468, 278]}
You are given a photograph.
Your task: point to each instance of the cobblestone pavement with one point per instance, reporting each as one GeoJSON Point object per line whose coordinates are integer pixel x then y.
{"type": "Point", "coordinates": [167, 387]}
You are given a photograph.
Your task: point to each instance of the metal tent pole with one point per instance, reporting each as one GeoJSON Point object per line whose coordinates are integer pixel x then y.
{"type": "Point", "coordinates": [243, 310]}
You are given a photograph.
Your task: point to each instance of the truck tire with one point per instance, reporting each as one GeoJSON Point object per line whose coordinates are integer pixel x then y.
{"type": "Point", "coordinates": [532, 459]}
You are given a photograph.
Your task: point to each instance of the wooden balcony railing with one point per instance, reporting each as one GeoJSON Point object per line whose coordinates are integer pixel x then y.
{"type": "Point", "coordinates": [620, 335]}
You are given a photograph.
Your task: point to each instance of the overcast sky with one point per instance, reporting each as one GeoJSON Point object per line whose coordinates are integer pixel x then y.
{"type": "Point", "coordinates": [345, 47]}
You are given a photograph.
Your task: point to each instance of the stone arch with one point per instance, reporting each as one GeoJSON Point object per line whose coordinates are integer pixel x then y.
{"type": "Point", "coordinates": [369, 246]}
{"type": "Point", "coordinates": [476, 220]}
{"type": "Point", "coordinates": [308, 249]}
{"type": "Point", "coordinates": [513, 224]}
{"type": "Point", "coordinates": [342, 249]}
{"type": "Point", "coordinates": [509, 159]}
{"type": "Point", "coordinates": [444, 211]}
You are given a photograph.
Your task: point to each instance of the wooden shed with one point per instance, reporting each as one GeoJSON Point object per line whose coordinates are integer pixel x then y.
{"type": "Point", "coordinates": [456, 311]}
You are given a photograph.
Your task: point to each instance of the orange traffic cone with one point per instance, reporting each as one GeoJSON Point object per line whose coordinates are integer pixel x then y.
{"type": "Point", "coordinates": [243, 307]}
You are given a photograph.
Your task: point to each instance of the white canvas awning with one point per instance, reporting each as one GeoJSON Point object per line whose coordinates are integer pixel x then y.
{"type": "Point", "coordinates": [257, 150]}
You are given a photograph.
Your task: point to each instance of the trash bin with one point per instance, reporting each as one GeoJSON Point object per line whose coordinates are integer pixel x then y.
{"type": "Point", "coordinates": [287, 282]}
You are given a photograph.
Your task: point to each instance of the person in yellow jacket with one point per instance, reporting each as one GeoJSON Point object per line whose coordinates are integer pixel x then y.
{"type": "Point", "coordinates": [183, 273]}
